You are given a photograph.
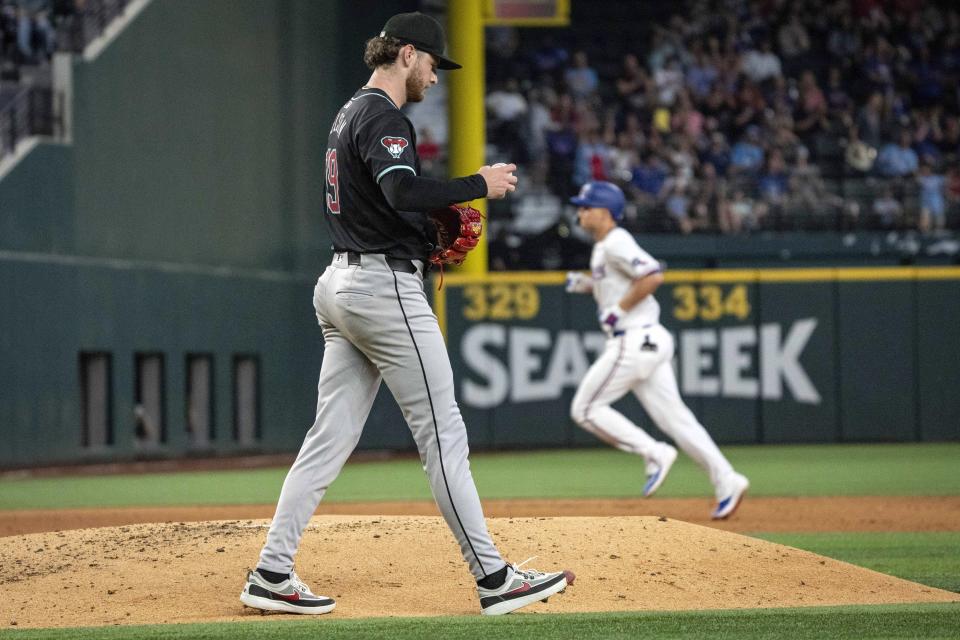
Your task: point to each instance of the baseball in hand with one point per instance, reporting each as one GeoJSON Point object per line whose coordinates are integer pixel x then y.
{"type": "Point", "coordinates": [500, 164]}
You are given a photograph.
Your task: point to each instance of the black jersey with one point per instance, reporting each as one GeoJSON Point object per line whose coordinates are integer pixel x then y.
{"type": "Point", "coordinates": [370, 138]}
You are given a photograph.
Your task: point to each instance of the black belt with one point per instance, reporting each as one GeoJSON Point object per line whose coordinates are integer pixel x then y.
{"type": "Point", "coordinates": [397, 264]}
{"type": "Point", "coordinates": [621, 332]}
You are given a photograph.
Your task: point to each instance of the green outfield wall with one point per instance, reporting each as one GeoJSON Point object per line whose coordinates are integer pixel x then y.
{"type": "Point", "coordinates": [790, 355]}
{"type": "Point", "coordinates": [182, 221]}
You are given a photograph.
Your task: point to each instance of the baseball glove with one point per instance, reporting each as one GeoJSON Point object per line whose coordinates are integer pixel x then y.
{"type": "Point", "coordinates": [458, 232]}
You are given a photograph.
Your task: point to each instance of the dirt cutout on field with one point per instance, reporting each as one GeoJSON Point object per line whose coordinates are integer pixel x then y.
{"type": "Point", "coordinates": [795, 515]}
{"type": "Point", "coordinates": [410, 566]}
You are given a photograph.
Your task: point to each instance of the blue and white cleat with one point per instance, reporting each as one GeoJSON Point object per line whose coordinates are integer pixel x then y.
{"type": "Point", "coordinates": [729, 495]}
{"type": "Point", "coordinates": [658, 469]}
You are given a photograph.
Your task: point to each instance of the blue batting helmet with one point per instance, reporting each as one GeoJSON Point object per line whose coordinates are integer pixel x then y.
{"type": "Point", "coordinates": [602, 194]}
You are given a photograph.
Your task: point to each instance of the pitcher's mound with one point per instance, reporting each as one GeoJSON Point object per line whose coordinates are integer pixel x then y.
{"type": "Point", "coordinates": [411, 566]}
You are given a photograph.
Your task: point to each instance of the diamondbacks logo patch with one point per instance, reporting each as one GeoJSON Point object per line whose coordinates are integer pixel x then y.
{"type": "Point", "coordinates": [395, 145]}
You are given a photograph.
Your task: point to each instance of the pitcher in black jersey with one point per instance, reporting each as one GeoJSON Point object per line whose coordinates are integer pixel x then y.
{"type": "Point", "coordinates": [377, 325]}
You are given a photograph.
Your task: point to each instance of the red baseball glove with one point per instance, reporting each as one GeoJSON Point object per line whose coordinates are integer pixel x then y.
{"type": "Point", "coordinates": [458, 231]}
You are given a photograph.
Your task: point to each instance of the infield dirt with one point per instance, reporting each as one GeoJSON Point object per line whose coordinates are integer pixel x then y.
{"type": "Point", "coordinates": [410, 566]}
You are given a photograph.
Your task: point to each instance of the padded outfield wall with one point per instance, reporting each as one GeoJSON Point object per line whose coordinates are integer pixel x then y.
{"type": "Point", "coordinates": [762, 355]}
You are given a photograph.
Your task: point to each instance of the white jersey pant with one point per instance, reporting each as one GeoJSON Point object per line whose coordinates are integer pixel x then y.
{"type": "Point", "coordinates": [377, 325]}
{"type": "Point", "coordinates": [639, 360]}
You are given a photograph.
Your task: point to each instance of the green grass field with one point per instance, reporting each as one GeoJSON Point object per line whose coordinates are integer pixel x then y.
{"type": "Point", "coordinates": [798, 470]}
{"type": "Point", "coordinates": [854, 623]}
{"type": "Point", "coordinates": [932, 558]}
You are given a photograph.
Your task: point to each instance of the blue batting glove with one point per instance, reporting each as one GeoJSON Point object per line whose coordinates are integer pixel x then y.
{"type": "Point", "coordinates": [610, 318]}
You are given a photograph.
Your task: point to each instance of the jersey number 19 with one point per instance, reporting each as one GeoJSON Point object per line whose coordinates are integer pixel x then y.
{"type": "Point", "coordinates": [333, 183]}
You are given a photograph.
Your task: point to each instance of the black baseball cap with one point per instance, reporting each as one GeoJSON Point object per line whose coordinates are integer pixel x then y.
{"type": "Point", "coordinates": [423, 32]}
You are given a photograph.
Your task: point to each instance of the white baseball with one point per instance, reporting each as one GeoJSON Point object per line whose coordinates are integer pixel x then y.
{"type": "Point", "coordinates": [499, 164]}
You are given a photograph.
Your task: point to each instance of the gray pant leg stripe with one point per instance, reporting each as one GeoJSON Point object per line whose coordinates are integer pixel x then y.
{"type": "Point", "coordinates": [436, 431]}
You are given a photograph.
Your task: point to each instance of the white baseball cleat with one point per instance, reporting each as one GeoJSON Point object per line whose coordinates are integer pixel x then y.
{"type": "Point", "coordinates": [522, 587]}
{"type": "Point", "coordinates": [290, 596]}
{"type": "Point", "coordinates": [730, 493]}
{"type": "Point", "coordinates": [658, 469]}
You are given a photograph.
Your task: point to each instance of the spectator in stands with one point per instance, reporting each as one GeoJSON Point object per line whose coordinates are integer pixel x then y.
{"type": "Point", "coordinates": [839, 103]}
{"type": "Point", "coordinates": [507, 110]}
{"type": "Point", "coordinates": [843, 40]}
{"type": "Point", "coordinates": [751, 106]}
{"type": "Point", "coordinates": [710, 201]}
{"type": "Point", "coordinates": [773, 186]}
{"type": "Point", "coordinates": [898, 160]}
{"type": "Point", "coordinates": [872, 122]}
{"type": "Point", "coordinates": [562, 149]}
{"type": "Point", "coordinates": [676, 200]}
{"type": "Point", "coordinates": [810, 198]}
{"type": "Point", "coordinates": [702, 74]}
{"type": "Point", "coordinates": [687, 120]}
{"type": "Point", "coordinates": [925, 78]}
{"type": "Point", "coordinates": [887, 210]}
{"type": "Point", "coordinates": [45, 34]}
{"type": "Point", "coordinates": [953, 187]}
{"type": "Point", "coordinates": [564, 113]}
{"type": "Point", "coordinates": [581, 79]}
{"type": "Point", "coordinates": [949, 143]}
{"type": "Point", "coordinates": [927, 133]}
{"type": "Point", "coordinates": [811, 114]}
{"type": "Point", "coordinates": [743, 216]}
{"type": "Point", "coordinates": [717, 154]}
{"type": "Point", "coordinates": [501, 50]}
{"type": "Point", "coordinates": [549, 56]}
{"type": "Point", "coordinates": [933, 205]}
{"type": "Point", "coordinates": [761, 65]}
{"type": "Point", "coordinates": [648, 178]}
{"type": "Point", "coordinates": [747, 155]}
{"type": "Point", "coordinates": [633, 128]}
{"type": "Point", "coordinates": [633, 84]}
{"type": "Point", "coordinates": [682, 156]}
{"type": "Point", "coordinates": [794, 41]}
{"type": "Point", "coordinates": [24, 35]}
{"type": "Point", "coordinates": [8, 32]}
{"type": "Point", "coordinates": [538, 123]}
{"type": "Point", "coordinates": [623, 158]}
{"type": "Point", "coordinates": [878, 65]}
{"type": "Point", "coordinates": [592, 161]}
{"type": "Point", "coordinates": [667, 44]}
{"type": "Point", "coordinates": [669, 81]}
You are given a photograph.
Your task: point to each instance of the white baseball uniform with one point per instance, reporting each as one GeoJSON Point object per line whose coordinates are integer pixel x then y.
{"type": "Point", "coordinates": [637, 357]}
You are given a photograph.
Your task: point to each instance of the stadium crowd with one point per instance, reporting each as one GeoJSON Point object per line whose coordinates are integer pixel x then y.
{"type": "Point", "coordinates": [32, 30]}
{"type": "Point", "coordinates": [28, 35]}
{"type": "Point", "coordinates": [732, 116]}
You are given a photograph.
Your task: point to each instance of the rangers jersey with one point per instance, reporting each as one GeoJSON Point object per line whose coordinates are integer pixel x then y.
{"type": "Point", "coordinates": [615, 263]}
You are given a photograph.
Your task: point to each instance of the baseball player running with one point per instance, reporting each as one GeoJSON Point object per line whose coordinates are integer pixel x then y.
{"type": "Point", "coordinates": [638, 354]}
{"type": "Point", "coordinates": [377, 325]}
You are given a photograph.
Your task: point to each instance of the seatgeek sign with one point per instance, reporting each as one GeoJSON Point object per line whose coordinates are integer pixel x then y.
{"type": "Point", "coordinates": [522, 343]}
{"type": "Point", "coordinates": [524, 364]}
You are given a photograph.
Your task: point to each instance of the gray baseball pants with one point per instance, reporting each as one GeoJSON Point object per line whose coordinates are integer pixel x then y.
{"type": "Point", "coordinates": [377, 325]}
